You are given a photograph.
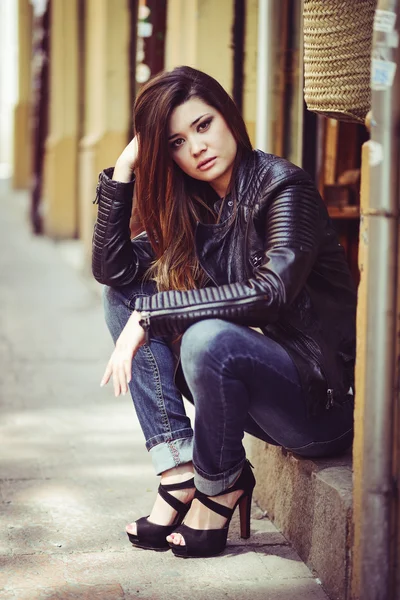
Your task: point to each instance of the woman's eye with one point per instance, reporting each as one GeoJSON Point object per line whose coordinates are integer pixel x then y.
{"type": "Point", "coordinates": [176, 143]}
{"type": "Point", "coordinates": [204, 125]}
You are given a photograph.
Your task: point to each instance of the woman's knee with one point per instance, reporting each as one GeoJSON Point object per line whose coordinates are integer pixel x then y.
{"type": "Point", "coordinates": [203, 342]}
{"type": "Point", "coordinates": [116, 313]}
{"type": "Point", "coordinates": [111, 297]}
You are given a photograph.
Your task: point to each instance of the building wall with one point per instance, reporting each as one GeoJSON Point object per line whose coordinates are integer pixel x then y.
{"type": "Point", "coordinates": [106, 102]}
{"type": "Point", "coordinates": [214, 40]}
{"type": "Point", "coordinates": [8, 81]}
{"type": "Point", "coordinates": [181, 35]}
{"type": "Point", "coordinates": [15, 90]}
{"type": "Point", "coordinates": [60, 205]}
{"type": "Point", "coordinates": [199, 35]}
{"type": "Point", "coordinates": [250, 69]}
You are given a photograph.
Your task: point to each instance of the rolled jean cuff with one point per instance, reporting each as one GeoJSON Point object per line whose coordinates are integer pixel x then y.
{"type": "Point", "coordinates": [211, 485]}
{"type": "Point", "coordinates": [171, 453]}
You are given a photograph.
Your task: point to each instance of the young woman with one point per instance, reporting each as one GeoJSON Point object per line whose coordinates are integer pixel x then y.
{"type": "Point", "coordinates": [236, 294]}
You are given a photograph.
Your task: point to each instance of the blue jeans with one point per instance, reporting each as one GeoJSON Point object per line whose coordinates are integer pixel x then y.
{"type": "Point", "coordinates": [240, 380]}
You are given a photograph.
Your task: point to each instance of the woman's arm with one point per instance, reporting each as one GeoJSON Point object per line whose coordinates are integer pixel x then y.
{"type": "Point", "coordinates": [116, 260]}
{"type": "Point", "coordinates": [292, 228]}
{"type": "Point", "coordinates": [125, 166]}
{"type": "Point", "coordinates": [292, 233]}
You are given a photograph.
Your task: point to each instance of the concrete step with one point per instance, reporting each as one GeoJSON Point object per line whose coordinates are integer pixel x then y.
{"type": "Point", "coordinates": [310, 502]}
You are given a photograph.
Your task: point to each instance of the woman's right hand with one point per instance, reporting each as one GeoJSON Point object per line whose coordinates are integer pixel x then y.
{"type": "Point", "coordinates": [126, 162]}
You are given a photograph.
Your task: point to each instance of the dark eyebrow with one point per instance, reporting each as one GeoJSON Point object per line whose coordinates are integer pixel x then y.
{"type": "Point", "coordinates": [191, 125]}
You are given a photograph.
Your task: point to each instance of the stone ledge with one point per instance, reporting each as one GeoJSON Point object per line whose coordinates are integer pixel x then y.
{"type": "Point", "coordinates": [310, 501]}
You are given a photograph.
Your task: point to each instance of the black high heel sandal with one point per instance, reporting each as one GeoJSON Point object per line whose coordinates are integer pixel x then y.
{"type": "Point", "coordinates": [210, 542]}
{"type": "Point", "coordinates": [151, 536]}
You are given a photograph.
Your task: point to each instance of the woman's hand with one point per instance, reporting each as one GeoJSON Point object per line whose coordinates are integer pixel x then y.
{"type": "Point", "coordinates": [126, 162]}
{"type": "Point", "coordinates": [120, 364]}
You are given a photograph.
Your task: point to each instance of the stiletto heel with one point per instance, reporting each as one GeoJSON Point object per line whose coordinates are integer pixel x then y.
{"type": "Point", "coordinates": [151, 536]}
{"type": "Point", "coordinates": [244, 511]}
{"type": "Point", "coordinates": [210, 542]}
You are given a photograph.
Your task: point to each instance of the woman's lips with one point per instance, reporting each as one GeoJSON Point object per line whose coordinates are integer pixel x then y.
{"type": "Point", "coordinates": [203, 166]}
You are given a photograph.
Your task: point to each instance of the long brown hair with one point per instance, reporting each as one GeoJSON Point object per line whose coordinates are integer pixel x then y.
{"type": "Point", "coordinates": [169, 203]}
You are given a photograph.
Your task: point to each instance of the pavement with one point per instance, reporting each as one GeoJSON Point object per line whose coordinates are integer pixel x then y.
{"type": "Point", "coordinates": [73, 466]}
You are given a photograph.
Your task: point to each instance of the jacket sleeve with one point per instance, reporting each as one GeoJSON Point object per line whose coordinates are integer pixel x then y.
{"type": "Point", "coordinates": [292, 234]}
{"type": "Point", "coordinates": [116, 259]}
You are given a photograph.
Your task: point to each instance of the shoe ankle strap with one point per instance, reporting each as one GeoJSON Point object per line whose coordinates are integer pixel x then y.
{"type": "Point", "coordinates": [224, 511]}
{"type": "Point", "coordinates": [164, 489]}
{"type": "Point", "coordinates": [182, 485]}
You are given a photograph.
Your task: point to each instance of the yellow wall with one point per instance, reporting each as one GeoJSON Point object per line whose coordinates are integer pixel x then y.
{"type": "Point", "coordinates": [106, 101]}
{"type": "Point", "coordinates": [199, 35]}
{"type": "Point", "coordinates": [182, 31]}
{"type": "Point", "coordinates": [22, 147]}
{"type": "Point", "coordinates": [214, 40]}
{"type": "Point", "coordinates": [60, 168]}
{"type": "Point", "coordinates": [106, 66]}
{"type": "Point", "coordinates": [250, 69]}
{"type": "Point", "coordinates": [360, 379]}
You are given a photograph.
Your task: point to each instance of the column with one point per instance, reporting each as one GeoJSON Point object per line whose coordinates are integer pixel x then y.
{"type": "Point", "coordinates": [22, 159]}
{"type": "Point", "coordinates": [60, 214]}
{"type": "Point", "coordinates": [106, 101]}
{"type": "Point", "coordinates": [358, 466]}
{"type": "Point", "coordinates": [181, 38]}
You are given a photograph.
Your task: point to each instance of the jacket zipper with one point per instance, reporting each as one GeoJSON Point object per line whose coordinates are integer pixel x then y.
{"type": "Point", "coordinates": [246, 236]}
{"type": "Point", "coordinates": [145, 323]}
{"type": "Point", "coordinates": [257, 259]}
{"type": "Point", "coordinates": [329, 391]}
{"type": "Point", "coordinates": [329, 402]}
{"type": "Point", "coordinates": [98, 191]}
{"type": "Point", "coordinates": [161, 312]}
{"type": "Point", "coordinates": [147, 315]}
{"type": "Point", "coordinates": [314, 354]}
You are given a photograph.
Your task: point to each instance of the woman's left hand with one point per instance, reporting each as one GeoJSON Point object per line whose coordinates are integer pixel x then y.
{"type": "Point", "coordinates": [120, 364]}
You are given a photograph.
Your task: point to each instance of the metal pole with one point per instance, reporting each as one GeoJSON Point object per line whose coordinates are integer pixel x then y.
{"type": "Point", "coordinates": [300, 93]}
{"type": "Point", "coordinates": [378, 489]}
{"type": "Point", "coordinates": [238, 41]}
{"type": "Point", "coordinates": [264, 75]}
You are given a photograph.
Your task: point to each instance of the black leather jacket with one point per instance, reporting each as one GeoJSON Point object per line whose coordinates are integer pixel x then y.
{"type": "Point", "coordinates": [277, 265]}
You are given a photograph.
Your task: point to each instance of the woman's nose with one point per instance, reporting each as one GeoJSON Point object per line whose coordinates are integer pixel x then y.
{"type": "Point", "coordinates": [197, 146]}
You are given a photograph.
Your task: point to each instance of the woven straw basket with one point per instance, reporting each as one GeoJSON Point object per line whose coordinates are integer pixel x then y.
{"type": "Point", "coordinates": [337, 57]}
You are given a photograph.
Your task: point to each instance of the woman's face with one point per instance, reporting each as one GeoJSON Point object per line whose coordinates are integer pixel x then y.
{"type": "Point", "coordinates": [202, 144]}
